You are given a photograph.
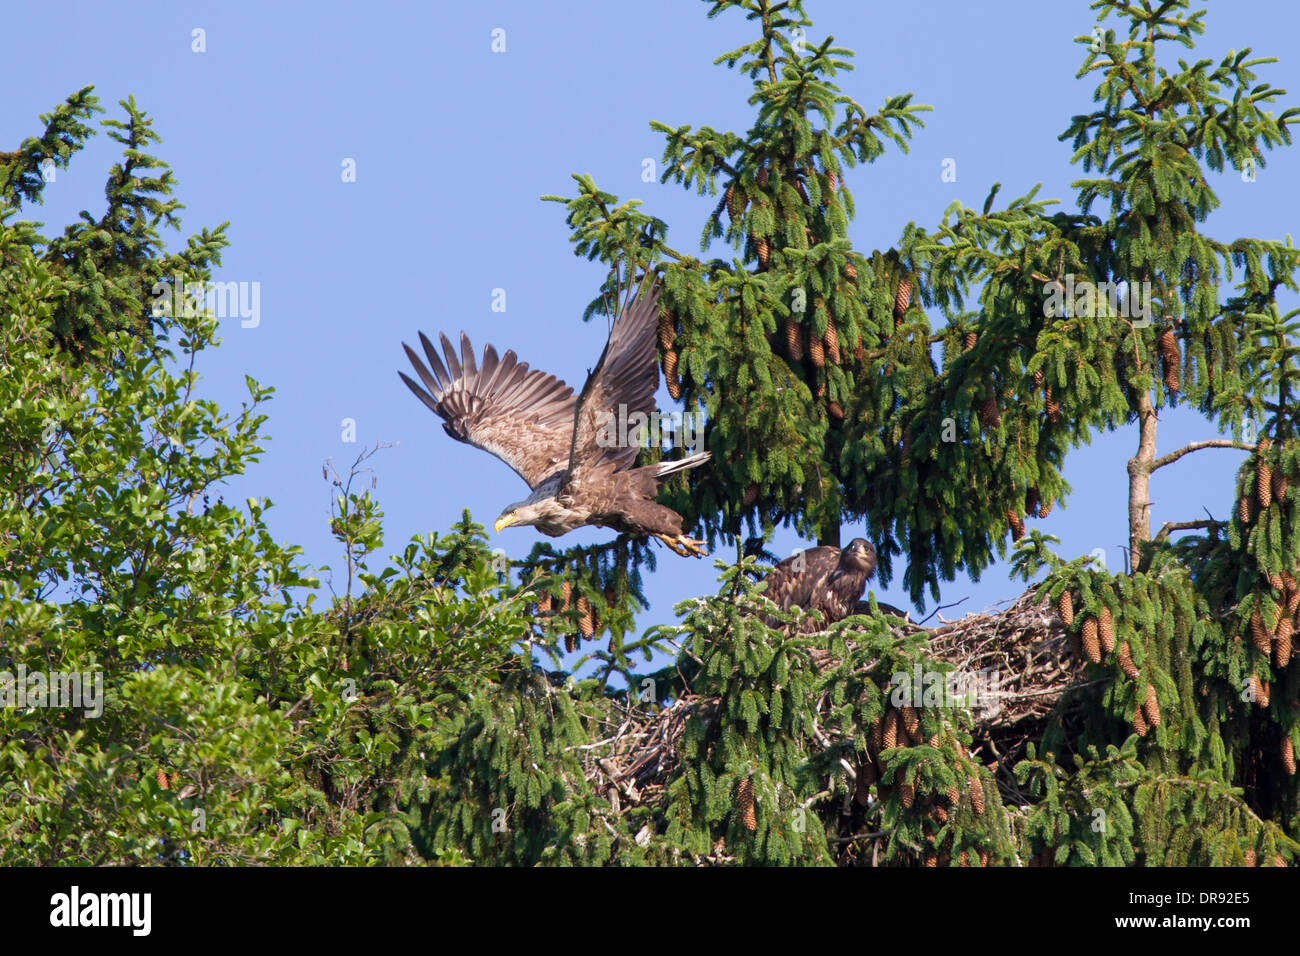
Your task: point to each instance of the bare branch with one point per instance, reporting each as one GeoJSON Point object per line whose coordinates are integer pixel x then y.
{"type": "Point", "coordinates": [1173, 456]}
{"type": "Point", "coordinates": [1184, 526]}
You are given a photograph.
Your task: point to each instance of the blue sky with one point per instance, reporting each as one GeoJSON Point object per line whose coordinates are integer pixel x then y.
{"type": "Point", "coordinates": [454, 144]}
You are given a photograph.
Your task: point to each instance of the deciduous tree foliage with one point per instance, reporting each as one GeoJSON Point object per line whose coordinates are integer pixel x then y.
{"type": "Point", "coordinates": [408, 721]}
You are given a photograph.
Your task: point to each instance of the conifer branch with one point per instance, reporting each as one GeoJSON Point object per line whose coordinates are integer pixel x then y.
{"type": "Point", "coordinates": [1185, 526]}
{"type": "Point", "coordinates": [1173, 456]}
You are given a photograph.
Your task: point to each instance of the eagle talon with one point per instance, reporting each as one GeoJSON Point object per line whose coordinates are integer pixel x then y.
{"type": "Point", "coordinates": [686, 547]}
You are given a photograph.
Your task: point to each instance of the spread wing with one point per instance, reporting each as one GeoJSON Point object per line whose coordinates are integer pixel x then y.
{"type": "Point", "coordinates": [795, 582]}
{"type": "Point", "coordinates": [523, 416]}
{"type": "Point", "coordinates": [626, 375]}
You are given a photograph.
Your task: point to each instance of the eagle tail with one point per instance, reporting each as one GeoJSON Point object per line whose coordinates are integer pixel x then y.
{"type": "Point", "coordinates": [666, 468]}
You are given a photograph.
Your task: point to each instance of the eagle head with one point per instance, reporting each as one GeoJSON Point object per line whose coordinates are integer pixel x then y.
{"type": "Point", "coordinates": [859, 556]}
{"type": "Point", "coordinates": [521, 512]}
{"type": "Point", "coordinates": [543, 511]}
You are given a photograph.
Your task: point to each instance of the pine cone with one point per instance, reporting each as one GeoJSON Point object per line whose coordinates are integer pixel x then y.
{"type": "Point", "coordinates": [953, 794]}
{"type": "Point", "coordinates": [1280, 486]}
{"type": "Point", "coordinates": [1170, 359]}
{"type": "Point", "coordinates": [762, 176]}
{"type": "Point", "coordinates": [1032, 501]}
{"type": "Point", "coordinates": [835, 410]}
{"type": "Point", "coordinates": [907, 793]}
{"type": "Point", "coordinates": [832, 181]}
{"type": "Point", "coordinates": [1288, 756]}
{"type": "Point", "coordinates": [1053, 408]}
{"type": "Point", "coordinates": [1126, 661]}
{"type": "Point", "coordinates": [793, 339]}
{"type": "Point", "coordinates": [1139, 723]}
{"type": "Point", "coordinates": [1091, 647]}
{"type": "Point", "coordinates": [832, 342]}
{"type": "Point", "coordinates": [803, 190]}
{"type": "Point", "coordinates": [867, 772]}
{"type": "Point", "coordinates": [735, 202]}
{"type": "Point", "coordinates": [987, 411]}
{"type": "Point", "coordinates": [1065, 607]}
{"type": "Point", "coordinates": [1106, 630]}
{"type": "Point", "coordinates": [570, 642]}
{"type": "Point", "coordinates": [586, 617]}
{"type": "Point", "coordinates": [745, 805]}
{"type": "Point", "coordinates": [1259, 635]}
{"type": "Point", "coordinates": [1250, 856]}
{"type": "Point", "coordinates": [969, 340]}
{"type": "Point", "coordinates": [1261, 690]}
{"type": "Point", "coordinates": [902, 297]}
{"type": "Point", "coordinates": [911, 721]}
{"type": "Point", "coordinates": [859, 353]}
{"type": "Point", "coordinates": [566, 589]}
{"type": "Point", "coordinates": [1076, 645]}
{"type": "Point", "coordinates": [976, 791]}
{"type": "Point", "coordinates": [866, 777]}
{"type": "Point", "coordinates": [1151, 707]}
{"type": "Point", "coordinates": [1275, 582]}
{"type": "Point", "coordinates": [890, 738]}
{"type": "Point", "coordinates": [544, 602]}
{"type": "Point", "coordinates": [670, 374]}
{"type": "Point", "coordinates": [764, 249]}
{"type": "Point", "coordinates": [1282, 646]}
{"type": "Point", "coordinates": [1045, 509]}
{"type": "Point", "coordinates": [1017, 524]}
{"type": "Point", "coordinates": [161, 777]}
{"type": "Point", "coordinates": [851, 271]}
{"type": "Point", "coordinates": [667, 330]}
{"type": "Point", "coordinates": [817, 353]}
{"type": "Point", "coordinates": [1246, 509]}
{"type": "Point", "coordinates": [876, 737]}
{"type": "Point", "coordinates": [1264, 484]}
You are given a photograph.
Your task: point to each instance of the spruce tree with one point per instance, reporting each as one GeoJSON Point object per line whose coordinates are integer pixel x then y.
{"type": "Point", "coordinates": [409, 722]}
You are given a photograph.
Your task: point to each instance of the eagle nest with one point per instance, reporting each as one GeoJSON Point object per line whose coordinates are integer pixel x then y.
{"type": "Point", "coordinates": [1025, 643]}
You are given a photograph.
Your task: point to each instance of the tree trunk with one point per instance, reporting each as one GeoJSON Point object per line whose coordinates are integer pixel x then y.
{"type": "Point", "coordinates": [1139, 481]}
{"type": "Point", "coordinates": [830, 536]}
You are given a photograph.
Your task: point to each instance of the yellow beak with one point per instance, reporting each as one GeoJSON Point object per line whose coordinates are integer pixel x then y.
{"type": "Point", "coordinates": [505, 521]}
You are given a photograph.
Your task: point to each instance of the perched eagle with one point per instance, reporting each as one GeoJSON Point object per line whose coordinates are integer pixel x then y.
{"type": "Point", "coordinates": [824, 579]}
{"type": "Point", "coordinates": [559, 444]}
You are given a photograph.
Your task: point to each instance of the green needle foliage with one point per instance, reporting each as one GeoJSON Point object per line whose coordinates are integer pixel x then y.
{"type": "Point", "coordinates": [423, 713]}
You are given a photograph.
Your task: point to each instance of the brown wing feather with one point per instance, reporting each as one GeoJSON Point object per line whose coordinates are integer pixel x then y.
{"type": "Point", "coordinates": [626, 375]}
{"type": "Point", "coordinates": [523, 416]}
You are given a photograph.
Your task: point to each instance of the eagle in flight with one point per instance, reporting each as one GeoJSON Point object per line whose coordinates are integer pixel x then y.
{"type": "Point", "coordinates": [532, 422]}
{"type": "Point", "coordinates": [823, 579]}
